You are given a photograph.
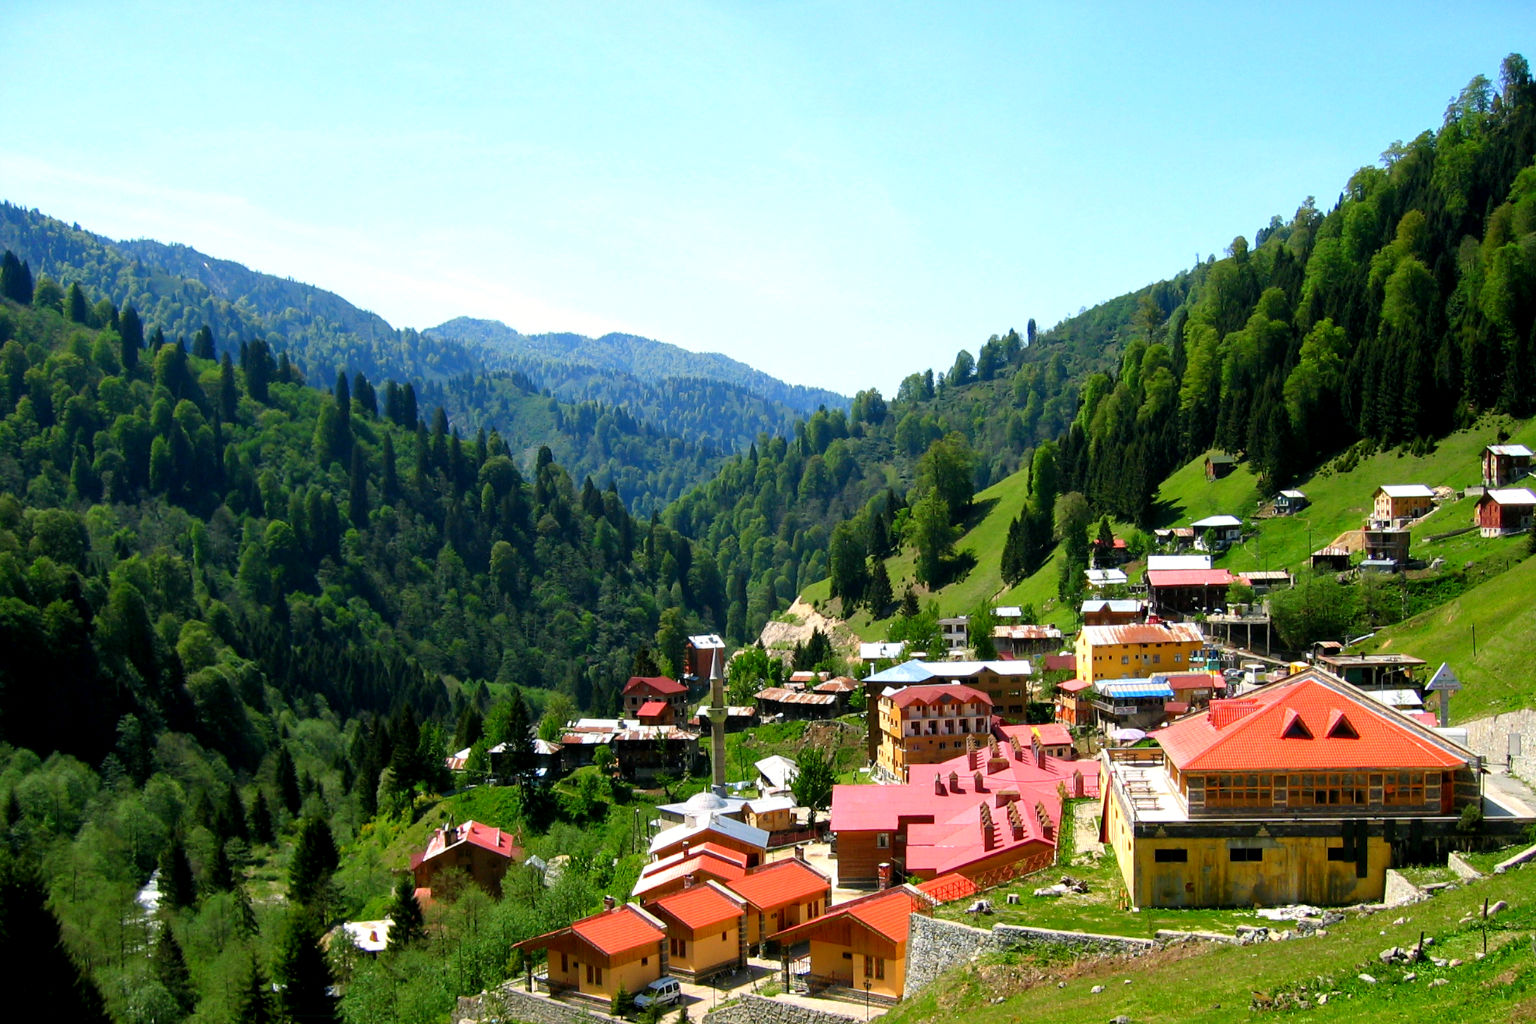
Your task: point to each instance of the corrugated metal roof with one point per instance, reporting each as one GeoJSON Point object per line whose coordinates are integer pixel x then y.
{"type": "Point", "coordinates": [1509, 496]}
{"type": "Point", "coordinates": [1517, 450]}
{"type": "Point", "coordinates": [1133, 688]}
{"type": "Point", "coordinates": [779, 695]}
{"type": "Point", "coordinates": [1142, 633]}
{"type": "Point", "coordinates": [1406, 491]}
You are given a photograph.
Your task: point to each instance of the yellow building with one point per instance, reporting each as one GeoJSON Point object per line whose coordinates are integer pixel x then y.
{"type": "Point", "coordinates": [623, 946]}
{"type": "Point", "coordinates": [1136, 651]}
{"type": "Point", "coordinates": [929, 724]}
{"type": "Point", "coordinates": [706, 930]}
{"type": "Point", "coordinates": [1301, 792]}
{"type": "Point", "coordinates": [861, 946]}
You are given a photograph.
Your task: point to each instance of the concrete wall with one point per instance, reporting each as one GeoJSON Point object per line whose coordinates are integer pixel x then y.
{"type": "Point", "coordinates": [752, 1009]}
{"type": "Point", "coordinates": [1489, 737]}
{"type": "Point", "coordinates": [935, 946]}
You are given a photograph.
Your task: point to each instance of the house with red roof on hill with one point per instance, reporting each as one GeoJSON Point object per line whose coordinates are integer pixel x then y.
{"type": "Point", "coordinates": [689, 865]}
{"type": "Point", "coordinates": [1302, 791]}
{"type": "Point", "coordinates": [482, 852]}
{"type": "Point", "coordinates": [643, 690]}
{"type": "Point", "coordinates": [860, 946]}
{"type": "Point", "coordinates": [706, 930]}
{"type": "Point", "coordinates": [622, 947]}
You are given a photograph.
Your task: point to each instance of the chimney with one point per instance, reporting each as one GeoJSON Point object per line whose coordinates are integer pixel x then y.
{"type": "Point", "coordinates": [800, 852]}
{"type": "Point", "coordinates": [988, 839]}
{"type": "Point", "coordinates": [980, 783]}
{"type": "Point", "coordinates": [608, 903]}
{"type": "Point", "coordinates": [954, 782]}
{"type": "Point", "coordinates": [688, 880]}
{"type": "Point", "coordinates": [938, 785]}
{"type": "Point", "coordinates": [884, 875]}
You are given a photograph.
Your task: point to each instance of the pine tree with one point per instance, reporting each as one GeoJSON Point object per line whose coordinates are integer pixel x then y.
{"type": "Point", "coordinates": [260, 819]}
{"type": "Point", "coordinates": [202, 343]}
{"type": "Point", "coordinates": [15, 279]}
{"type": "Point", "coordinates": [75, 306]}
{"type": "Point", "coordinates": [879, 596]}
{"type": "Point", "coordinates": [407, 924]}
{"type": "Point", "coordinates": [288, 781]}
{"type": "Point", "coordinates": [314, 859]}
{"type": "Point", "coordinates": [357, 489]}
{"type": "Point", "coordinates": [131, 329]}
{"type": "Point", "coordinates": [176, 887]}
{"type": "Point", "coordinates": [171, 969]}
{"type": "Point", "coordinates": [30, 941]}
{"type": "Point", "coordinates": [303, 972]}
{"type": "Point", "coordinates": [254, 1004]}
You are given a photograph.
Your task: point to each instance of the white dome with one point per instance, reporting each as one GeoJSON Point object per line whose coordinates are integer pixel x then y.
{"type": "Point", "coordinates": [704, 802]}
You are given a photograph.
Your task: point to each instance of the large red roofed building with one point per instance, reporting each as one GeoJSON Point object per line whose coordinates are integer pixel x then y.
{"type": "Point", "coordinates": [622, 947]}
{"type": "Point", "coordinates": [990, 813]}
{"type": "Point", "coordinates": [1298, 792]}
{"type": "Point", "coordinates": [641, 690]}
{"type": "Point", "coordinates": [927, 724]}
{"type": "Point", "coordinates": [484, 853]}
{"type": "Point", "coordinates": [860, 946]}
{"type": "Point", "coordinates": [689, 866]}
{"type": "Point", "coordinates": [705, 929]}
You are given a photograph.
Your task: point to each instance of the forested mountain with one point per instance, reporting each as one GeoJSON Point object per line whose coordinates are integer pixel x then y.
{"type": "Point", "coordinates": [576, 362]}
{"type": "Point", "coordinates": [650, 419]}
{"type": "Point", "coordinates": [1405, 310]}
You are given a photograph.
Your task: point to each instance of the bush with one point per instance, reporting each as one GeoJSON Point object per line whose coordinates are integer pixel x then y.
{"type": "Point", "coordinates": [1471, 819]}
{"type": "Point", "coordinates": [623, 1003]}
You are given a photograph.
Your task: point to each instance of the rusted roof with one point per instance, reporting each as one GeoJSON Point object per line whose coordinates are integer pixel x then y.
{"type": "Point", "coordinates": [780, 695]}
{"type": "Point", "coordinates": [1143, 633]}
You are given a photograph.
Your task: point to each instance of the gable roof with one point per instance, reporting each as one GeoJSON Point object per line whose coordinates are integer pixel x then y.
{"type": "Point", "coordinates": [1189, 578]}
{"type": "Point", "coordinates": [1142, 633]}
{"type": "Point", "coordinates": [906, 672]}
{"type": "Point", "coordinates": [699, 907]}
{"type": "Point", "coordinates": [493, 840]}
{"type": "Point", "coordinates": [620, 930]}
{"type": "Point", "coordinates": [727, 827]}
{"type": "Point", "coordinates": [1216, 521]}
{"type": "Point", "coordinates": [1514, 450]}
{"type": "Point", "coordinates": [652, 708]}
{"type": "Point", "coordinates": [1508, 496]}
{"type": "Point", "coordinates": [887, 913]}
{"type": "Point", "coordinates": [952, 693]}
{"type": "Point", "coordinates": [710, 861]}
{"type": "Point", "coordinates": [1295, 724]}
{"type": "Point", "coordinates": [1406, 491]}
{"type": "Point", "coordinates": [779, 770]}
{"type": "Point", "coordinates": [779, 883]}
{"type": "Point", "coordinates": [653, 684]}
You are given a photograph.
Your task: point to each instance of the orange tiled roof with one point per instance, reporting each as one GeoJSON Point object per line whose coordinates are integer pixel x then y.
{"type": "Point", "coordinates": [1296, 725]}
{"type": "Point", "coordinates": [887, 913]}
{"type": "Point", "coordinates": [618, 931]}
{"type": "Point", "coordinates": [938, 693]}
{"type": "Point", "coordinates": [778, 883]}
{"type": "Point", "coordinates": [699, 907]}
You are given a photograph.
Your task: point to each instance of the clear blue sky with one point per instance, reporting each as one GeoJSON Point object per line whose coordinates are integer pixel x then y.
{"type": "Point", "coordinates": [839, 194]}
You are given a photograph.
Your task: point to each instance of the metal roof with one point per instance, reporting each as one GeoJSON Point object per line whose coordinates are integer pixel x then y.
{"type": "Point", "coordinates": [1133, 688]}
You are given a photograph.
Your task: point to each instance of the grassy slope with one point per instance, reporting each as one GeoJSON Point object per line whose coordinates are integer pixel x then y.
{"type": "Point", "coordinates": [1220, 983]}
{"type": "Point", "coordinates": [1503, 615]}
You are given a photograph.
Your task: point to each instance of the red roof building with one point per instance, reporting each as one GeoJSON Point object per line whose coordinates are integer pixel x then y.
{"type": "Point", "coordinates": [1074, 706]}
{"type": "Point", "coordinates": [861, 946]}
{"type": "Point", "coordinates": [482, 852]}
{"type": "Point", "coordinates": [1175, 591]}
{"type": "Point", "coordinates": [702, 863]}
{"type": "Point", "coordinates": [781, 894]}
{"type": "Point", "coordinates": [705, 929]}
{"type": "Point", "coordinates": [1306, 783]}
{"type": "Point", "coordinates": [656, 712]}
{"type": "Point", "coordinates": [641, 690]}
{"type": "Point", "coordinates": [622, 947]}
{"type": "Point", "coordinates": [926, 724]}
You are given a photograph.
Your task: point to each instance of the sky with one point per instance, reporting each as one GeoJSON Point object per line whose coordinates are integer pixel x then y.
{"type": "Point", "coordinates": [839, 194]}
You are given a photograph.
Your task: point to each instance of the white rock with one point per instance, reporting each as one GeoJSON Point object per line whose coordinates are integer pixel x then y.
{"type": "Point", "coordinates": [1367, 979]}
{"type": "Point", "coordinates": [1096, 989]}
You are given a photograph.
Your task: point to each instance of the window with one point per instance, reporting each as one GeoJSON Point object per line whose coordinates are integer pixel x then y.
{"type": "Point", "coordinates": [644, 960]}
{"type": "Point", "coordinates": [1340, 853]}
{"type": "Point", "coordinates": [679, 947]}
{"type": "Point", "coordinates": [883, 840]}
{"type": "Point", "coordinates": [1239, 854]}
{"type": "Point", "coordinates": [1170, 855]}
{"type": "Point", "coordinates": [565, 967]}
{"type": "Point", "coordinates": [1404, 789]}
{"type": "Point", "coordinates": [1239, 790]}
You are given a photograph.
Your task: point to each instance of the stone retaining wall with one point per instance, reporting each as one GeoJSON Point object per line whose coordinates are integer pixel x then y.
{"type": "Point", "coordinates": [510, 1002]}
{"type": "Point", "coordinates": [1489, 737]}
{"type": "Point", "coordinates": [1399, 890]}
{"type": "Point", "coordinates": [751, 1009]}
{"type": "Point", "coordinates": [934, 946]}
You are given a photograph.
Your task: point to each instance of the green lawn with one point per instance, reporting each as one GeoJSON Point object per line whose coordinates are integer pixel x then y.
{"type": "Point", "coordinates": [1221, 983]}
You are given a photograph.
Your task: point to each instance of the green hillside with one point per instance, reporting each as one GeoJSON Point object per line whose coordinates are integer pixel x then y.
{"type": "Point", "coordinates": [1500, 617]}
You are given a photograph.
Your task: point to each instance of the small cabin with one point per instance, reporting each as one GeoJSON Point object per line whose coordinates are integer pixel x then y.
{"type": "Point", "coordinates": [1505, 510]}
{"type": "Point", "coordinates": [1218, 465]}
{"type": "Point", "coordinates": [1503, 464]}
{"type": "Point", "coordinates": [1287, 502]}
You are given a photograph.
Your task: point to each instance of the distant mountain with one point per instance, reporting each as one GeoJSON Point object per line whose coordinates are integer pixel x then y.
{"type": "Point", "coordinates": [648, 418]}
{"type": "Point", "coordinates": [555, 360]}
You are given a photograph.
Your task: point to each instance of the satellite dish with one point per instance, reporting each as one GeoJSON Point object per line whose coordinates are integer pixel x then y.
{"type": "Point", "coordinates": [1444, 680]}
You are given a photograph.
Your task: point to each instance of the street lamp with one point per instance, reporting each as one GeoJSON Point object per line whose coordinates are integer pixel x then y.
{"type": "Point", "coordinates": [867, 984]}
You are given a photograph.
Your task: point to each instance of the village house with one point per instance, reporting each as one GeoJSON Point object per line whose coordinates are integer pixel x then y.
{"type": "Point", "coordinates": [707, 821]}
{"type": "Point", "coordinates": [1289, 502]}
{"type": "Point", "coordinates": [859, 947]}
{"type": "Point", "coordinates": [1386, 546]}
{"type": "Point", "coordinates": [1130, 703]}
{"type": "Point", "coordinates": [1006, 683]}
{"type": "Point", "coordinates": [706, 931]}
{"type": "Point", "coordinates": [1188, 591]}
{"type": "Point", "coordinates": [622, 947]}
{"type": "Point", "coordinates": [1295, 793]}
{"type": "Point", "coordinates": [738, 717]}
{"type": "Point", "coordinates": [1100, 612]}
{"type": "Point", "coordinates": [927, 724]}
{"type": "Point", "coordinates": [1503, 464]}
{"type": "Point", "coordinates": [1390, 671]}
{"type": "Point", "coordinates": [1217, 533]}
{"type": "Point", "coordinates": [770, 813]}
{"type": "Point", "coordinates": [701, 863]}
{"type": "Point", "coordinates": [481, 853]}
{"type": "Point", "coordinates": [702, 654]}
{"type": "Point", "coordinates": [1025, 640]}
{"type": "Point", "coordinates": [1193, 691]}
{"type": "Point", "coordinates": [1074, 703]}
{"type": "Point", "coordinates": [1397, 505]}
{"type": "Point", "coordinates": [781, 894]}
{"type": "Point", "coordinates": [1218, 465]}
{"type": "Point", "coordinates": [841, 687]}
{"type": "Point", "coordinates": [1128, 652]}
{"type": "Point", "coordinates": [775, 775]}
{"type": "Point", "coordinates": [646, 752]}
{"type": "Point", "coordinates": [1098, 579]}
{"type": "Point", "coordinates": [1505, 510]}
{"type": "Point", "coordinates": [956, 633]}
{"type": "Point", "coordinates": [795, 705]}
{"type": "Point", "coordinates": [643, 690]}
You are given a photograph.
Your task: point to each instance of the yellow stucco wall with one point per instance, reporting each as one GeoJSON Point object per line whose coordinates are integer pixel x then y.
{"type": "Point", "coordinates": [710, 950]}
{"type": "Point", "coordinates": [827, 961]}
{"type": "Point", "coordinates": [1132, 661]}
{"type": "Point", "coordinates": [634, 975]}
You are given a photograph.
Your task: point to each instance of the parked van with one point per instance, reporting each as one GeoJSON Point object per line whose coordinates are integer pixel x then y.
{"type": "Point", "coordinates": [662, 992]}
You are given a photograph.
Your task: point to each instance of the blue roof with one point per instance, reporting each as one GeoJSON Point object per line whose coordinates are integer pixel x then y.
{"type": "Point", "coordinates": [1134, 688]}
{"type": "Point", "coordinates": [906, 672]}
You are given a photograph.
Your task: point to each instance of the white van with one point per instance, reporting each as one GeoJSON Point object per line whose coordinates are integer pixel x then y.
{"type": "Point", "coordinates": [662, 992]}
